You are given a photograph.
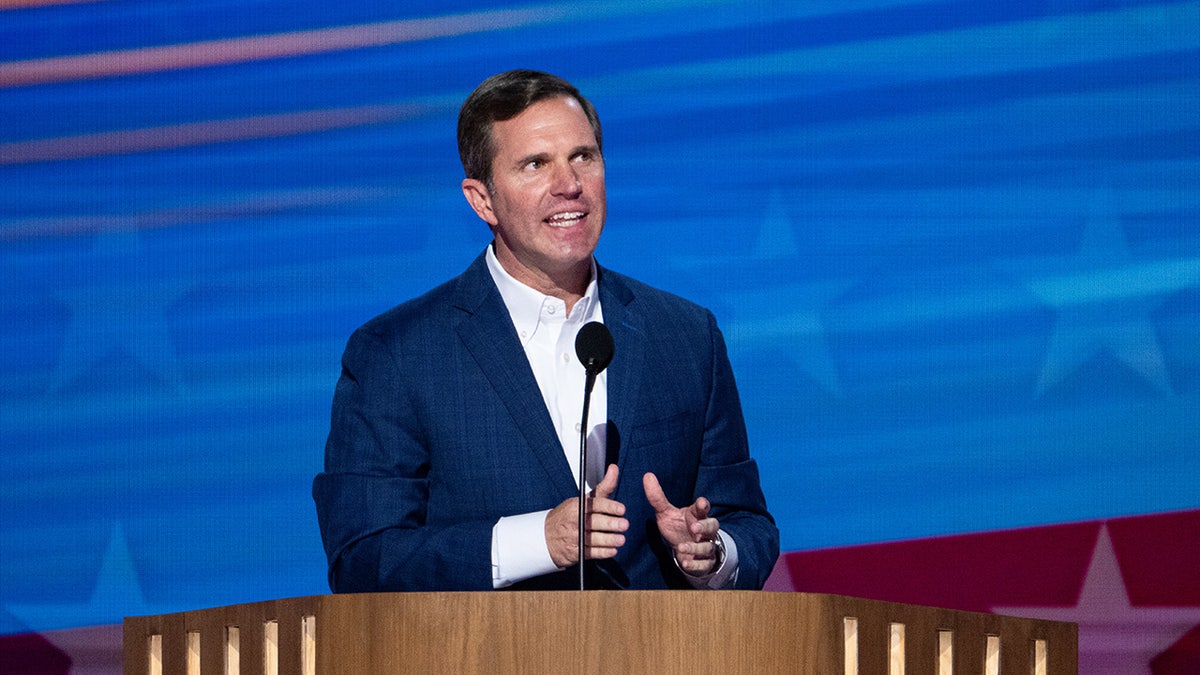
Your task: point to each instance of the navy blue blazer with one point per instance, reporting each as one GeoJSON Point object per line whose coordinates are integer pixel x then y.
{"type": "Point", "coordinates": [439, 429]}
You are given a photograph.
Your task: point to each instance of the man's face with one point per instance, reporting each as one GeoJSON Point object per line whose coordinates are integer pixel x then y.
{"type": "Point", "coordinates": [547, 202]}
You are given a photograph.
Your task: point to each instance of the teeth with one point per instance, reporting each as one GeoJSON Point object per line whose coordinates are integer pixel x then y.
{"type": "Point", "coordinates": [565, 218]}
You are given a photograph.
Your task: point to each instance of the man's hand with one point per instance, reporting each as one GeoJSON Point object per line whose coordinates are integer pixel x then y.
{"type": "Point", "coordinates": [690, 531]}
{"type": "Point", "coordinates": [604, 523]}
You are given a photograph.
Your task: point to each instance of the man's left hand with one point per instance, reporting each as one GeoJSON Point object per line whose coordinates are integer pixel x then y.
{"type": "Point", "coordinates": [690, 531]}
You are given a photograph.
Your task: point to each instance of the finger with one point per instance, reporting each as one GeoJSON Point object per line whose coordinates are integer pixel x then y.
{"type": "Point", "coordinates": [605, 540]}
{"type": "Point", "coordinates": [609, 507]}
{"type": "Point", "coordinates": [608, 484]}
{"type": "Point", "coordinates": [703, 550]}
{"type": "Point", "coordinates": [700, 508]}
{"type": "Point", "coordinates": [600, 553]}
{"type": "Point", "coordinates": [603, 545]}
{"type": "Point", "coordinates": [602, 523]}
{"type": "Point", "coordinates": [655, 494]}
{"type": "Point", "coordinates": [698, 566]}
{"type": "Point", "coordinates": [698, 558]}
{"type": "Point", "coordinates": [704, 530]}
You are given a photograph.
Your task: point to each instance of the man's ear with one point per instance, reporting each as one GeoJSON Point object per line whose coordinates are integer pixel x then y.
{"type": "Point", "coordinates": [480, 199]}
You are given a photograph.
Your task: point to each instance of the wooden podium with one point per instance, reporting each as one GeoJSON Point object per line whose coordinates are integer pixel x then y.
{"type": "Point", "coordinates": [594, 632]}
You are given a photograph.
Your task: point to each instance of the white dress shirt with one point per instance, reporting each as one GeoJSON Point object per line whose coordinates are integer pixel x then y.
{"type": "Point", "coordinates": [547, 334]}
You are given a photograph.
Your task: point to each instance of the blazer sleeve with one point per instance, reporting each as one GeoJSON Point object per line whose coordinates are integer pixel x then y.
{"type": "Point", "coordinates": [728, 477]}
{"type": "Point", "coordinates": [372, 497]}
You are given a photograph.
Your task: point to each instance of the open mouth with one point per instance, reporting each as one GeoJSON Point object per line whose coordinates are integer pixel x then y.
{"type": "Point", "coordinates": [566, 219]}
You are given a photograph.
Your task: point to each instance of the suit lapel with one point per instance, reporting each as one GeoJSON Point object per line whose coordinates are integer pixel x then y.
{"type": "Point", "coordinates": [629, 354]}
{"type": "Point", "coordinates": [488, 334]}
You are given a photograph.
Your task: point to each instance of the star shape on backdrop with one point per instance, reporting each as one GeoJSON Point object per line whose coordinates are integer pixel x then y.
{"type": "Point", "coordinates": [117, 594]}
{"type": "Point", "coordinates": [1115, 638]}
{"type": "Point", "coordinates": [788, 315]}
{"type": "Point", "coordinates": [1104, 297]}
{"type": "Point", "coordinates": [121, 312]}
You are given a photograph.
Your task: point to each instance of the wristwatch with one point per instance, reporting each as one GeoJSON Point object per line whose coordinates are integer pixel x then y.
{"type": "Point", "coordinates": [719, 558]}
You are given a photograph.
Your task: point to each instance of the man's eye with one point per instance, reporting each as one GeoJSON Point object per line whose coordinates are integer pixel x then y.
{"type": "Point", "coordinates": [534, 165]}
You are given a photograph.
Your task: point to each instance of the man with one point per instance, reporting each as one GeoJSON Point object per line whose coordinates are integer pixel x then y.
{"type": "Point", "coordinates": [452, 457]}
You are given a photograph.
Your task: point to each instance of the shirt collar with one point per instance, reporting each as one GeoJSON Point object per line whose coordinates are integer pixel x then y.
{"type": "Point", "coordinates": [525, 304]}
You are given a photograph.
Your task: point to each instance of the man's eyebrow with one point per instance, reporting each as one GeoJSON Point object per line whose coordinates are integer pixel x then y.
{"type": "Point", "coordinates": [545, 156]}
{"type": "Point", "coordinates": [535, 157]}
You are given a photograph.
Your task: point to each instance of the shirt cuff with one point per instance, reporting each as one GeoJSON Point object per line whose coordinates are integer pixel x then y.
{"type": "Point", "coordinates": [519, 549]}
{"type": "Point", "coordinates": [724, 576]}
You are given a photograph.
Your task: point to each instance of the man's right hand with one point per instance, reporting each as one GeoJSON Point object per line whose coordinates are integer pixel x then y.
{"type": "Point", "coordinates": [604, 520]}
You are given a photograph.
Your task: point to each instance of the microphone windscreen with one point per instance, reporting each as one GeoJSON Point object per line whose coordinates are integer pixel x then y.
{"type": "Point", "coordinates": [594, 347]}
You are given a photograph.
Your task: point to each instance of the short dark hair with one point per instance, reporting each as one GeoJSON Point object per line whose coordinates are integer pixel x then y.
{"type": "Point", "coordinates": [503, 97]}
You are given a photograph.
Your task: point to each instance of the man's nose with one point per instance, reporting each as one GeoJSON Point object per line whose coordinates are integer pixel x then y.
{"type": "Point", "coordinates": [566, 181]}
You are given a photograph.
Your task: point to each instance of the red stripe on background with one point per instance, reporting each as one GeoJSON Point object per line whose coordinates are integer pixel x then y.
{"type": "Point", "coordinates": [974, 572]}
{"type": "Point", "coordinates": [23, 4]}
{"type": "Point", "coordinates": [31, 654]}
{"type": "Point", "coordinates": [260, 47]}
{"type": "Point", "coordinates": [201, 133]}
{"type": "Point", "coordinates": [257, 204]}
{"type": "Point", "coordinates": [1159, 557]}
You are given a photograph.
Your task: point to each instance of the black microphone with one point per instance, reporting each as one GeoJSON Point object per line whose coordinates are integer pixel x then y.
{"type": "Point", "coordinates": [594, 349]}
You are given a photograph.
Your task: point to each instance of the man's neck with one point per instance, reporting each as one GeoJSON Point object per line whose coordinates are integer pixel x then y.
{"type": "Point", "coordinates": [568, 285]}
